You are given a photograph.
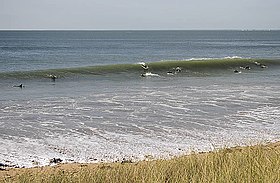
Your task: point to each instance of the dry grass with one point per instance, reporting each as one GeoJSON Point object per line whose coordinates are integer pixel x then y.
{"type": "Point", "coordinates": [247, 164]}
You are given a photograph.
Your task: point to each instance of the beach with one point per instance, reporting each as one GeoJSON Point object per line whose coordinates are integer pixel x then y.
{"type": "Point", "coordinates": [257, 163]}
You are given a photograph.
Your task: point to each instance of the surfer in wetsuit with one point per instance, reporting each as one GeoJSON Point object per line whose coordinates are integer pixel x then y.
{"type": "Point", "coordinates": [53, 77]}
{"type": "Point", "coordinates": [178, 69]}
{"type": "Point", "coordinates": [261, 65]}
{"type": "Point", "coordinates": [237, 71]}
{"type": "Point", "coordinates": [145, 67]}
{"type": "Point", "coordinates": [20, 86]}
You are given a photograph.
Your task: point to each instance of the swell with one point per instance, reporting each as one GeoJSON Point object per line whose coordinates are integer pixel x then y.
{"type": "Point", "coordinates": [206, 66]}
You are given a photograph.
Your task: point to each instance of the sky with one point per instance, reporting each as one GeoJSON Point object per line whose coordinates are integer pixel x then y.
{"type": "Point", "coordinates": [140, 14]}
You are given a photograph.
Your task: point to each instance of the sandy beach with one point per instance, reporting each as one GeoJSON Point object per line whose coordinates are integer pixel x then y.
{"type": "Point", "coordinates": [74, 170]}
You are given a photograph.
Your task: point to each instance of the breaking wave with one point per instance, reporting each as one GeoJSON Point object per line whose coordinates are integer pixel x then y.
{"type": "Point", "coordinates": [187, 67]}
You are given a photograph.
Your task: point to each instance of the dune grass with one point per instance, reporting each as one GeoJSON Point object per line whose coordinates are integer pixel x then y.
{"type": "Point", "coordinates": [260, 163]}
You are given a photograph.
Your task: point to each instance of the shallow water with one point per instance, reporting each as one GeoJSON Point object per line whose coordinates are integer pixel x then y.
{"type": "Point", "coordinates": [106, 120]}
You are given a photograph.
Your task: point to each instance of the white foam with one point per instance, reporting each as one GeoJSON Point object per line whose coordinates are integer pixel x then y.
{"type": "Point", "coordinates": [201, 58]}
{"type": "Point", "coordinates": [233, 57]}
{"type": "Point", "coordinates": [147, 74]}
{"type": "Point", "coordinates": [212, 58]}
{"type": "Point", "coordinates": [141, 63]}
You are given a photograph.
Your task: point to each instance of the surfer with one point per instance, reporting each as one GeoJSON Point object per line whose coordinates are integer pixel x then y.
{"type": "Point", "coordinates": [53, 77]}
{"type": "Point", "coordinates": [237, 71]}
{"type": "Point", "coordinates": [20, 86]}
{"type": "Point", "coordinates": [144, 66]}
{"type": "Point", "coordinates": [263, 66]}
{"type": "Point", "coordinates": [178, 69]}
{"type": "Point", "coordinates": [170, 73]}
{"type": "Point", "coordinates": [245, 68]}
{"type": "Point", "coordinates": [174, 70]}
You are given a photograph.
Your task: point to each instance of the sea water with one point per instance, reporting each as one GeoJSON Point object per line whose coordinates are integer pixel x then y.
{"type": "Point", "coordinates": [101, 108]}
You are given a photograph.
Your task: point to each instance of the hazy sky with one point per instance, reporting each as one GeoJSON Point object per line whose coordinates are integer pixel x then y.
{"type": "Point", "coordinates": [139, 14]}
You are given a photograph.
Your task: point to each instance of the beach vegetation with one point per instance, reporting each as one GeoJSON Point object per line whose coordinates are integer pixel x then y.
{"type": "Point", "coordinates": [260, 163]}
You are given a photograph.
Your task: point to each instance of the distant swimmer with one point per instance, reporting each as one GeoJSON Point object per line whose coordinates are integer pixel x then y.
{"type": "Point", "coordinates": [20, 86]}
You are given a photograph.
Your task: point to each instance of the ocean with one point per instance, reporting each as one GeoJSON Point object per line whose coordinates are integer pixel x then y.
{"type": "Point", "coordinates": [106, 96]}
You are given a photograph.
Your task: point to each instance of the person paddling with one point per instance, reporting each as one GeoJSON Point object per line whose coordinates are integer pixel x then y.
{"type": "Point", "coordinates": [20, 86]}
{"type": "Point", "coordinates": [53, 77]}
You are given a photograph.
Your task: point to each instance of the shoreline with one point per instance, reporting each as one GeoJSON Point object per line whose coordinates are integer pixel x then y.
{"type": "Point", "coordinates": [12, 174]}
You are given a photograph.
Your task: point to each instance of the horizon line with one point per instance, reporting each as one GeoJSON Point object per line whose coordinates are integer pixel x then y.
{"type": "Point", "coordinates": [139, 29]}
